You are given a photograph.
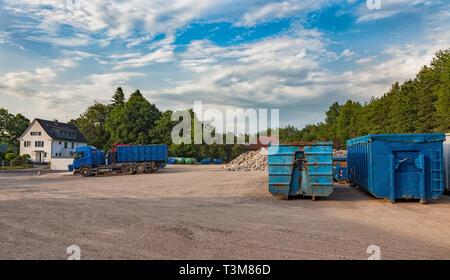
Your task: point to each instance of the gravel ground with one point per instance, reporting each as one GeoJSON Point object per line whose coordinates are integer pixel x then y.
{"type": "Point", "coordinates": [206, 212]}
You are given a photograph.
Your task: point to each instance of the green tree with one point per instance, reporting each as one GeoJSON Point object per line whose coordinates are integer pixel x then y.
{"type": "Point", "coordinates": [92, 125]}
{"type": "Point", "coordinates": [331, 123]}
{"type": "Point", "coordinates": [132, 122]}
{"type": "Point", "coordinates": [12, 127]}
{"type": "Point", "coordinates": [348, 121]}
{"type": "Point", "coordinates": [5, 118]}
{"type": "Point", "coordinates": [441, 65]}
{"type": "Point", "coordinates": [118, 98]}
{"type": "Point", "coordinates": [15, 128]}
{"type": "Point", "coordinates": [161, 132]}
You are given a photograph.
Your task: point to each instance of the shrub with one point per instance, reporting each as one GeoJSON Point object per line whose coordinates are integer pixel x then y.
{"type": "Point", "coordinates": [11, 156]}
{"type": "Point", "coordinates": [25, 156]}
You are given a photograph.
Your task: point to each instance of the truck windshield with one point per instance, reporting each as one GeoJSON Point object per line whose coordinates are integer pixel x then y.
{"type": "Point", "coordinates": [78, 155]}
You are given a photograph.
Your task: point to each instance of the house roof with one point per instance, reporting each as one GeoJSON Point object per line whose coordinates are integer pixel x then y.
{"type": "Point", "coordinates": [62, 131]}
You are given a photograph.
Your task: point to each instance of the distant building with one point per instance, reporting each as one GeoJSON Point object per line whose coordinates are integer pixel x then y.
{"type": "Point", "coordinates": [262, 142]}
{"type": "Point", "coordinates": [44, 140]}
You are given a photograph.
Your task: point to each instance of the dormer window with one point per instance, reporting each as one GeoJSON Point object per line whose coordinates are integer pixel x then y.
{"type": "Point", "coordinates": [35, 133]}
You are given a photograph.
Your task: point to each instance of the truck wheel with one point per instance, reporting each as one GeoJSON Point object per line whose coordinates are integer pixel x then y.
{"type": "Point", "coordinates": [86, 172]}
{"type": "Point", "coordinates": [141, 168]}
{"type": "Point", "coordinates": [154, 166]}
{"type": "Point", "coordinates": [128, 170]}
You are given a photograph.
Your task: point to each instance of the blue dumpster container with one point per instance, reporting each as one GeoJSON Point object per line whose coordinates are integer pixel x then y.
{"type": "Point", "coordinates": [217, 161]}
{"type": "Point", "coordinates": [447, 162]}
{"type": "Point", "coordinates": [341, 172]}
{"type": "Point", "coordinates": [206, 161]}
{"type": "Point", "coordinates": [301, 169]}
{"type": "Point", "coordinates": [340, 169]}
{"type": "Point", "coordinates": [395, 166]}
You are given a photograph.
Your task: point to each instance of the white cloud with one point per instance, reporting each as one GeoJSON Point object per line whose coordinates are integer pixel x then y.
{"type": "Point", "coordinates": [365, 60]}
{"type": "Point", "coordinates": [24, 84]}
{"type": "Point", "coordinates": [278, 10]}
{"type": "Point", "coordinates": [272, 71]}
{"type": "Point", "coordinates": [138, 21]}
{"type": "Point", "coordinates": [5, 39]}
{"type": "Point", "coordinates": [391, 8]}
{"type": "Point", "coordinates": [40, 94]}
{"type": "Point", "coordinates": [159, 52]}
{"type": "Point", "coordinates": [111, 19]}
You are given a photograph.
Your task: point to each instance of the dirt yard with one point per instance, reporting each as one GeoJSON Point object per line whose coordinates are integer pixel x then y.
{"type": "Point", "coordinates": [205, 212]}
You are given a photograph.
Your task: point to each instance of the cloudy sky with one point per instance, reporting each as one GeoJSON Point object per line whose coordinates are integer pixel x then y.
{"type": "Point", "coordinates": [299, 56]}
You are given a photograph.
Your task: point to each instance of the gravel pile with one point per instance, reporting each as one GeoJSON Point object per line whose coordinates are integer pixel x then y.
{"type": "Point", "coordinates": [258, 160]}
{"type": "Point", "coordinates": [250, 161]}
{"type": "Point", "coordinates": [340, 153]}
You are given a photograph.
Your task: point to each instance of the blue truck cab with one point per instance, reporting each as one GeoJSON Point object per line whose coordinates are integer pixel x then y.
{"type": "Point", "coordinates": [87, 156]}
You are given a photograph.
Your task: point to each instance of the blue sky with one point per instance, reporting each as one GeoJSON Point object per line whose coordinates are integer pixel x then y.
{"type": "Point", "coordinates": [58, 57]}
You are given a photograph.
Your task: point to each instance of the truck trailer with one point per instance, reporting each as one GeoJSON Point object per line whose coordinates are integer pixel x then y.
{"type": "Point", "coordinates": [126, 159]}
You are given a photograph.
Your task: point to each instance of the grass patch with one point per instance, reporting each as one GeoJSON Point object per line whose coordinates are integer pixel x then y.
{"type": "Point", "coordinates": [15, 167]}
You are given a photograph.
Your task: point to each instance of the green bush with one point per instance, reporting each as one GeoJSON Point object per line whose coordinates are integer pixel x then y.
{"type": "Point", "coordinates": [11, 156]}
{"type": "Point", "coordinates": [25, 156]}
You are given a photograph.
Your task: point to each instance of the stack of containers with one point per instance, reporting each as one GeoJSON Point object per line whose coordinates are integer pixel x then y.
{"type": "Point", "coordinates": [395, 166]}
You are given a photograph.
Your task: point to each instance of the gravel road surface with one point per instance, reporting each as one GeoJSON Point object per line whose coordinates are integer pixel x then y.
{"type": "Point", "coordinates": [206, 212]}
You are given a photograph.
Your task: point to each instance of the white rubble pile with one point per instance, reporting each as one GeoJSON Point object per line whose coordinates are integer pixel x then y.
{"type": "Point", "coordinates": [340, 153]}
{"type": "Point", "coordinates": [250, 161]}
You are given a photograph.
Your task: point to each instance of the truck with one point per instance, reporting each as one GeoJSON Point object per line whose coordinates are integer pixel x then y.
{"type": "Point", "coordinates": [126, 159]}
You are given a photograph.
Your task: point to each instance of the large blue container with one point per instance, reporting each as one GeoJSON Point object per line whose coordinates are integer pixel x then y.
{"type": "Point", "coordinates": [394, 166]}
{"type": "Point", "coordinates": [447, 161]}
{"type": "Point", "coordinates": [141, 153]}
{"type": "Point", "coordinates": [301, 169]}
{"type": "Point", "coordinates": [206, 161]}
{"type": "Point", "coordinates": [172, 161]}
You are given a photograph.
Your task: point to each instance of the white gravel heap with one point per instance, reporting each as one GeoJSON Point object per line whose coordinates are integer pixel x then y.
{"type": "Point", "coordinates": [250, 161]}
{"type": "Point", "coordinates": [340, 153]}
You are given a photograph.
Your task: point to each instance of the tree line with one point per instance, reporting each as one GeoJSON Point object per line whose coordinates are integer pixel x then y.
{"type": "Point", "coordinates": [137, 121]}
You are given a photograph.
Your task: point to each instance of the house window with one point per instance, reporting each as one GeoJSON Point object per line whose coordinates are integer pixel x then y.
{"type": "Point", "coordinates": [65, 145]}
{"type": "Point", "coordinates": [60, 143]}
{"type": "Point", "coordinates": [73, 145]}
{"type": "Point", "coordinates": [36, 133]}
{"type": "Point", "coordinates": [27, 143]}
{"type": "Point", "coordinates": [39, 144]}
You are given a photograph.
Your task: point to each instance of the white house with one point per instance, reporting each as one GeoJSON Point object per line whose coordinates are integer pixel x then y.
{"type": "Point", "coordinates": [46, 140]}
